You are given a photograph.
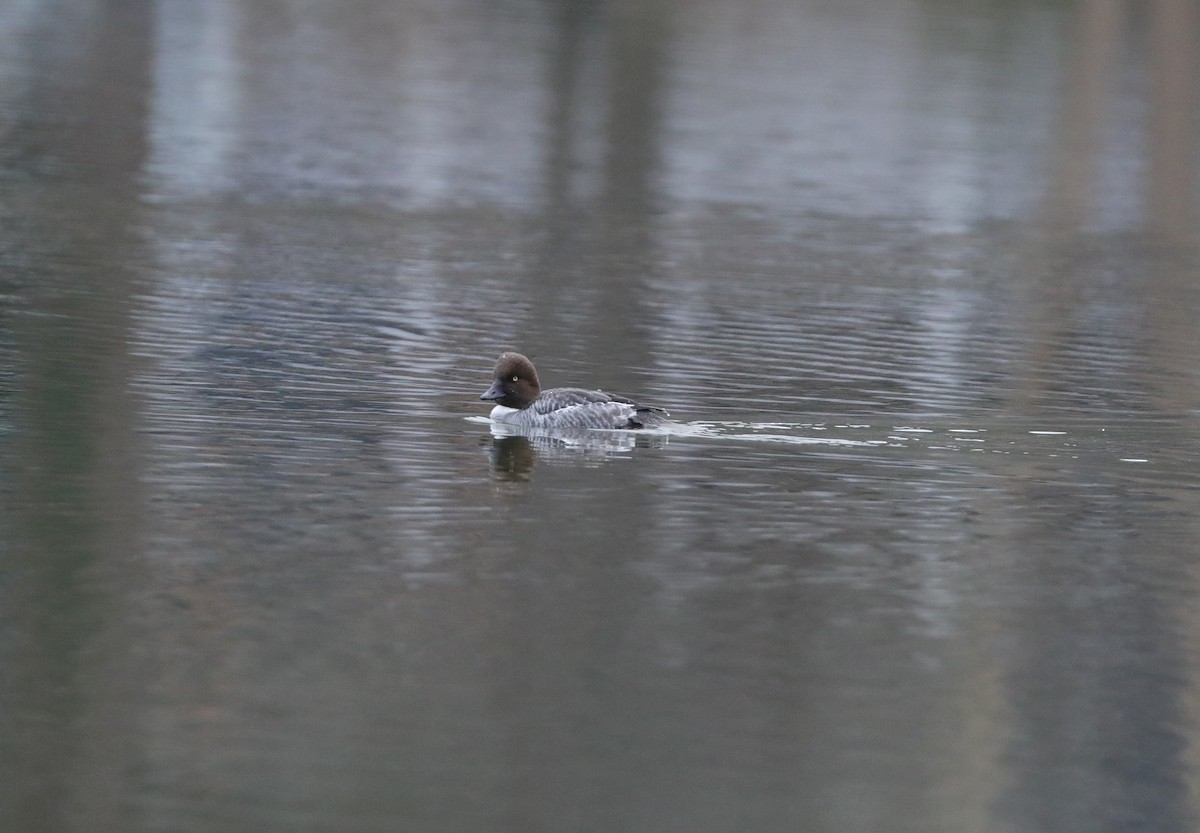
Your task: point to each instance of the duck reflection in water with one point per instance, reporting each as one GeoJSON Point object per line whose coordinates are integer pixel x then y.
{"type": "Point", "coordinates": [514, 453]}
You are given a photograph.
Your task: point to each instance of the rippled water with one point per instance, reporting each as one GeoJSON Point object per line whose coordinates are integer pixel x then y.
{"type": "Point", "coordinates": [917, 554]}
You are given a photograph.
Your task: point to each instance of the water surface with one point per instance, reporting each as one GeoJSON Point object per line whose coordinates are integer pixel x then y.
{"type": "Point", "coordinates": [917, 281]}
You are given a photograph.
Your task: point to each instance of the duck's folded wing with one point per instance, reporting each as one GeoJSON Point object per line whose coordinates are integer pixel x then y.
{"type": "Point", "coordinates": [581, 408]}
{"type": "Point", "coordinates": [598, 414]}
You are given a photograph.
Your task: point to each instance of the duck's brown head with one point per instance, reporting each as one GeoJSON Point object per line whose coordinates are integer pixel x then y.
{"type": "Point", "coordinates": [514, 383]}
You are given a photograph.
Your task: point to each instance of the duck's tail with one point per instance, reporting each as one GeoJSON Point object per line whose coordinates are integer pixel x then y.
{"type": "Point", "coordinates": [648, 416]}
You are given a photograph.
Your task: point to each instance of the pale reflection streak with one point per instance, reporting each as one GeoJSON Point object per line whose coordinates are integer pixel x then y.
{"type": "Point", "coordinates": [402, 96]}
{"type": "Point", "coordinates": [196, 97]}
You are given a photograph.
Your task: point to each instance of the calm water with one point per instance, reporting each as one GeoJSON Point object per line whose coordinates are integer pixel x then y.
{"type": "Point", "coordinates": [918, 280]}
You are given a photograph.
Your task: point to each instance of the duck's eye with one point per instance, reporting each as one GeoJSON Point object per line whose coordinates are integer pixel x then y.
{"type": "Point", "coordinates": [514, 378]}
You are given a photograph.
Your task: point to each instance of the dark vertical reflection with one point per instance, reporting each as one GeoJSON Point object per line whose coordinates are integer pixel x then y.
{"type": "Point", "coordinates": [635, 114]}
{"type": "Point", "coordinates": [599, 244]}
{"type": "Point", "coordinates": [1173, 119]}
{"type": "Point", "coordinates": [1089, 86]}
{"type": "Point", "coordinates": [1091, 104]}
{"type": "Point", "coordinates": [632, 162]}
{"type": "Point", "coordinates": [577, 23]}
{"type": "Point", "coordinates": [70, 514]}
{"type": "Point", "coordinates": [579, 26]}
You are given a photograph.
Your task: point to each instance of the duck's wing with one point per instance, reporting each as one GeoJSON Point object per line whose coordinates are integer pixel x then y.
{"type": "Point", "coordinates": [581, 408]}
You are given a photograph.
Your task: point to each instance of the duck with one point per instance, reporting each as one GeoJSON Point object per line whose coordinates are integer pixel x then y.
{"type": "Point", "coordinates": [520, 401]}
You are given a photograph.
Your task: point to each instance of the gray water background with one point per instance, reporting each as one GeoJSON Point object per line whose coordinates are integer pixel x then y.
{"type": "Point", "coordinates": [917, 279]}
